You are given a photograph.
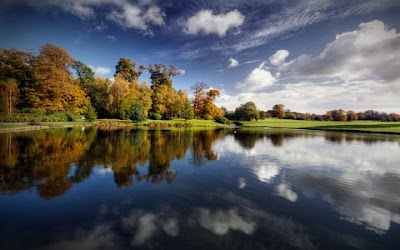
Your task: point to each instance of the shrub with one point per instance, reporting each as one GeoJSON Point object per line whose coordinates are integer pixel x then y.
{"type": "Point", "coordinates": [137, 112]}
{"type": "Point", "coordinates": [223, 120]}
{"type": "Point", "coordinates": [155, 116]}
{"type": "Point", "coordinates": [91, 114]}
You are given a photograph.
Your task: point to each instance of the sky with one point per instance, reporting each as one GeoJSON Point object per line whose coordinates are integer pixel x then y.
{"type": "Point", "coordinates": [309, 55]}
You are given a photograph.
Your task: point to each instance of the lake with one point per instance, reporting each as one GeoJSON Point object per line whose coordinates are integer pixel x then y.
{"type": "Point", "coordinates": [199, 188]}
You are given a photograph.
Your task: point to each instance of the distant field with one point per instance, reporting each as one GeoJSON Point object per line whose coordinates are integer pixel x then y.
{"type": "Point", "coordinates": [367, 126]}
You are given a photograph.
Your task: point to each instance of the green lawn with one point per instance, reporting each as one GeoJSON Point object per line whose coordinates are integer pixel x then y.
{"type": "Point", "coordinates": [368, 126]}
{"type": "Point", "coordinates": [193, 122]}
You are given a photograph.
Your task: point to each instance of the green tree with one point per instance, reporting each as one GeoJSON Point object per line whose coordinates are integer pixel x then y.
{"type": "Point", "coordinates": [137, 112]}
{"type": "Point", "coordinates": [247, 112]}
{"type": "Point", "coordinates": [187, 112]}
{"type": "Point", "coordinates": [278, 111]}
{"type": "Point", "coordinates": [85, 76]}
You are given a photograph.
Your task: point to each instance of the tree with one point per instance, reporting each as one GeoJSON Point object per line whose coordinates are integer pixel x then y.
{"type": "Point", "coordinates": [199, 96]}
{"type": "Point", "coordinates": [203, 101]}
{"type": "Point", "coordinates": [99, 96]}
{"type": "Point", "coordinates": [9, 95]}
{"type": "Point", "coordinates": [161, 75]}
{"type": "Point", "coordinates": [278, 111]}
{"type": "Point", "coordinates": [187, 112]}
{"type": "Point", "coordinates": [351, 115]}
{"type": "Point", "coordinates": [57, 90]}
{"type": "Point", "coordinates": [247, 112]}
{"type": "Point", "coordinates": [120, 98]}
{"type": "Point", "coordinates": [127, 69]}
{"type": "Point", "coordinates": [91, 114]}
{"type": "Point", "coordinates": [137, 112]}
{"type": "Point", "coordinates": [19, 65]}
{"type": "Point", "coordinates": [263, 115]}
{"type": "Point", "coordinates": [85, 75]}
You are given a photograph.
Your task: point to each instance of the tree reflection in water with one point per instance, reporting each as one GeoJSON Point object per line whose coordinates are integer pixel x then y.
{"type": "Point", "coordinates": [53, 160]}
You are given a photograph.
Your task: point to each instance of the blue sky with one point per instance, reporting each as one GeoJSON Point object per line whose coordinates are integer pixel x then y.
{"type": "Point", "coordinates": [309, 55]}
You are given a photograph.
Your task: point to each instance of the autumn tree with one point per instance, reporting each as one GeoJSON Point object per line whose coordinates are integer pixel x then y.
{"type": "Point", "coordinates": [57, 90]}
{"type": "Point", "coordinates": [247, 112]}
{"type": "Point", "coordinates": [162, 75]}
{"type": "Point", "coordinates": [199, 91]}
{"type": "Point", "coordinates": [19, 65]}
{"type": "Point", "coordinates": [127, 69]}
{"type": "Point", "coordinates": [9, 95]}
{"type": "Point", "coordinates": [278, 111]}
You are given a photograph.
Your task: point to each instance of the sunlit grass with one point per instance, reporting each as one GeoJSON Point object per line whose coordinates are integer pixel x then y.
{"type": "Point", "coordinates": [369, 126]}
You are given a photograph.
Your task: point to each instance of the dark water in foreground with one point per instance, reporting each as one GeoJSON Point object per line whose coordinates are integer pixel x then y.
{"type": "Point", "coordinates": [199, 189]}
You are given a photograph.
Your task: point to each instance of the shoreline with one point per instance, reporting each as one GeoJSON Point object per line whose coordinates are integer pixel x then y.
{"type": "Point", "coordinates": [21, 127]}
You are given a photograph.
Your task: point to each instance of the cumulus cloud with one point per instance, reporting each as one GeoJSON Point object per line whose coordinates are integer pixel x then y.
{"type": "Point", "coordinates": [221, 222]}
{"type": "Point", "coordinates": [278, 58]}
{"type": "Point", "coordinates": [100, 70]}
{"type": "Point", "coordinates": [233, 63]}
{"type": "Point", "coordinates": [147, 224]}
{"type": "Point", "coordinates": [135, 16]}
{"type": "Point", "coordinates": [371, 50]}
{"type": "Point", "coordinates": [284, 190]}
{"type": "Point", "coordinates": [206, 22]}
{"type": "Point", "coordinates": [182, 71]}
{"type": "Point", "coordinates": [260, 78]}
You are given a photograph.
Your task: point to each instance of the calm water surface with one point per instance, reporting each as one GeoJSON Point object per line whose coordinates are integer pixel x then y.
{"type": "Point", "coordinates": [199, 189]}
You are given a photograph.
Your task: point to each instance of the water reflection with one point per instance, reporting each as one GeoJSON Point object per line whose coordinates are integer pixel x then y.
{"type": "Point", "coordinates": [253, 189]}
{"type": "Point", "coordinates": [45, 159]}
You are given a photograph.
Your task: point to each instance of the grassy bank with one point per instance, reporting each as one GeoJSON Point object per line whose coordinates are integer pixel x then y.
{"type": "Point", "coordinates": [194, 122]}
{"type": "Point", "coordinates": [358, 126]}
{"type": "Point", "coordinates": [361, 126]}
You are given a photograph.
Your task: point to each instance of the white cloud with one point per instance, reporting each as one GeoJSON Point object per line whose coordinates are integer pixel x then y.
{"type": "Point", "coordinates": [147, 224]}
{"type": "Point", "coordinates": [242, 182]}
{"type": "Point", "coordinates": [208, 23]}
{"type": "Point", "coordinates": [371, 50]}
{"type": "Point", "coordinates": [100, 70]}
{"type": "Point", "coordinates": [233, 63]}
{"type": "Point", "coordinates": [221, 222]}
{"type": "Point", "coordinates": [182, 71]}
{"type": "Point", "coordinates": [307, 96]}
{"type": "Point", "coordinates": [259, 79]}
{"type": "Point", "coordinates": [284, 190]}
{"type": "Point", "coordinates": [278, 58]}
{"type": "Point", "coordinates": [135, 16]}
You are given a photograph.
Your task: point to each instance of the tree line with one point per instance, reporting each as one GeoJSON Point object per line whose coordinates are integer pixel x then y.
{"type": "Point", "coordinates": [249, 111]}
{"type": "Point", "coordinates": [52, 86]}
